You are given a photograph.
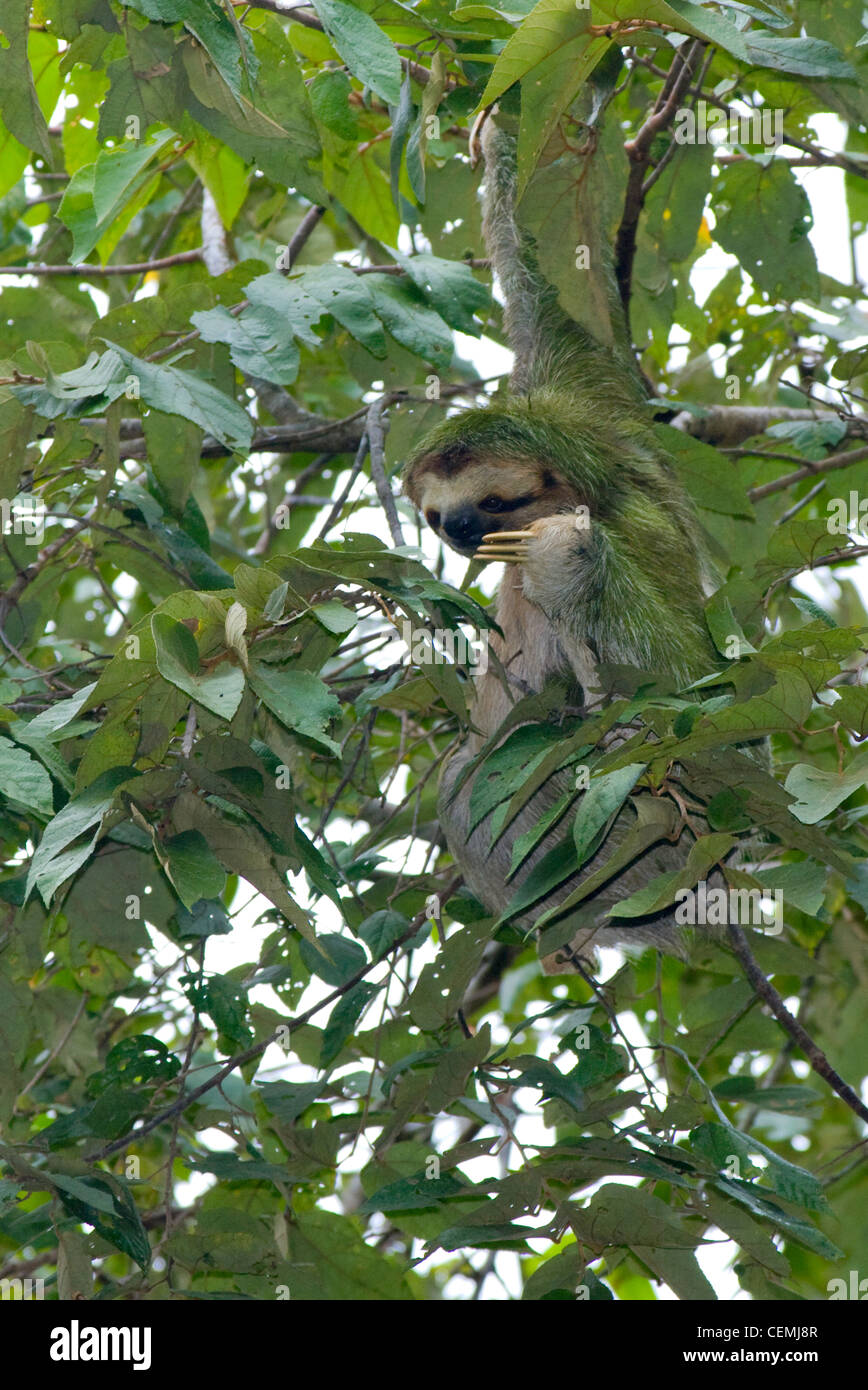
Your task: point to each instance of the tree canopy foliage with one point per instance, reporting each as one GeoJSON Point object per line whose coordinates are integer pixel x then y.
{"type": "Point", "coordinates": [257, 1040]}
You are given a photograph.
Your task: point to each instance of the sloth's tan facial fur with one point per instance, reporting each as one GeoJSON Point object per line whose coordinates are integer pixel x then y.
{"type": "Point", "coordinates": [485, 496]}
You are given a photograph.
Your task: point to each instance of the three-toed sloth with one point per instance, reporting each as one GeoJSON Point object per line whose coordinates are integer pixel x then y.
{"type": "Point", "coordinates": [565, 480]}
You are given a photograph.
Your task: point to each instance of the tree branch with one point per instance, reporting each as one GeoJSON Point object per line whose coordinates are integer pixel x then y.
{"type": "Point", "coordinates": [638, 150]}
{"type": "Point", "coordinates": [815, 1055]}
{"type": "Point", "coordinates": [375, 428]}
{"type": "Point", "coordinates": [302, 232]}
{"type": "Point", "coordinates": [307, 431]}
{"type": "Point", "coordinates": [10, 597]}
{"type": "Point", "coordinates": [728, 425]}
{"type": "Point", "coordinates": [848, 162]}
{"type": "Point", "coordinates": [85, 272]}
{"type": "Point", "coordinates": [810, 470]}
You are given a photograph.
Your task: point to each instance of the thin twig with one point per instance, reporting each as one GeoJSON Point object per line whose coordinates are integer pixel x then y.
{"type": "Point", "coordinates": [58, 1046]}
{"type": "Point", "coordinates": [339, 503]}
{"type": "Point", "coordinates": [638, 150]}
{"type": "Point", "coordinates": [302, 232]}
{"type": "Point", "coordinates": [168, 230]}
{"type": "Point", "coordinates": [674, 146]}
{"type": "Point", "coordinates": [375, 428]}
{"type": "Point", "coordinates": [827, 465]}
{"type": "Point", "coordinates": [803, 502]}
{"type": "Point", "coordinates": [815, 1055]}
{"type": "Point", "coordinates": [86, 272]}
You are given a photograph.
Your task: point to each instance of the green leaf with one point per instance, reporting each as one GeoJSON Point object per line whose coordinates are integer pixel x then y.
{"type": "Point", "coordinates": [704, 474]}
{"type": "Point", "coordinates": [603, 798]}
{"type": "Point", "coordinates": [442, 983]}
{"type": "Point", "coordinates": [556, 864]}
{"type": "Point", "coordinates": [19, 102]}
{"type": "Point", "coordinates": [813, 438]}
{"type": "Point", "coordinates": [259, 340]}
{"type": "Point", "coordinates": [182, 393]}
{"type": "Point", "coordinates": [726, 810]}
{"type": "Point", "coordinates": [344, 1017]}
{"type": "Point", "coordinates": [25, 780]}
{"type": "Point", "coordinates": [763, 216]}
{"type": "Point", "coordinates": [329, 1261]}
{"type": "Point", "coordinates": [219, 690]}
{"type": "Point", "coordinates": [55, 858]}
{"type": "Point", "coordinates": [402, 117]}
{"type": "Point", "coordinates": [563, 1273]}
{"type": "Point", "coordinates": [504, 1234]}
{"type": "Point", "coordinates": [68, 393]}
{"type": "Point", "coordinates": [551, 1081]}
{"type": "Point", "coordinates": [287, 1101]}
{"type": "Point", "coordinates": [97, 194]}
{"type": "Point", "coordinates": [819, 792]}
{"type": "Point", "coordinates": [221, 39]}
{"type": "Point", "coordinates": [334, 958]}
{"type": "Point", "coordinates": [791, 1100]}
{"type": "Point", "coordinates": [49, 723]}
{"type": "Point", "coordinates": [747, 1234]}
{"type": "Point", "coordinates": [299, 699]}
{"type": "Point", "coordinates": [192, 867]}
{"type": "Point", "coordinates": [116, 172]}
{"type": "Point", "coordinates": [203, 920]}
{"type": "Point", "coordinates": [243, 851]}
{"type": "Point", "coordinates": [334, 617]}
{"type": "Point", "coordinates": [450, 286]}
{"type": "Point", "coordinates": [721, 1144]}
{"type": "Point", "coordinates": [704, 854]}
{"type": "Point", "coordinates": [657, 819]}
{"type": "Point", "coordinates": [786, 1222]}
{"type": "Point", "coordinates": [367, 52]}
{"type": "Point", "coordinates": [84, 1190]}
{"type": "Point", "coordinates": [523, 844]}
{"type": "Point", "coordinates": [410, 320]}
{"type": "Point", "coordinates": [348, 299]}
{"type": "Point", "coordinates": [857, 886]}
{"type": "Point", "coordinates": [554, 45]}
{"type": "Point", "coordinates": [509, 768]}
{"type": "Point", "coordinates": [813, 610]}
{"type": "Point", "coordinates": [135, 1061]}
{"type": "Point", "coordinates": [414, 1194]}
{"type": "Point", "coordinates": [453, 1071]}
{"type": "Point", "coordinates": [633, 1216]}
{"type": "Point", "coordinates": [803, 884]}
{"type": "Point", "coordinates": [107, 1204]}
{"type": "Point", "coordinates": [226, 1001]}
{"type": "Point", "coordinates": [329, 96]}
{"type": "Point", "coordinates": [321, 872]}
{"type": "Point", "coordinates": [805, 57]}
{"type": "Point", "coordinates": [380, 931]}
{"type": "Point", "coordinates": [230, 1169]}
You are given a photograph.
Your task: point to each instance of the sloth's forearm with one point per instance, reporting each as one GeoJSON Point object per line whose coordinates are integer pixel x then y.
{"type": "Point", "coordinates": [598, 594]}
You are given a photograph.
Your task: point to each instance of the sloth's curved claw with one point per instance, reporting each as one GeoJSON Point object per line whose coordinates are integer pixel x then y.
{"type": "Point", "coordinates": [475, 142]}
{"type": "Point", "coordinates": [511, 547]}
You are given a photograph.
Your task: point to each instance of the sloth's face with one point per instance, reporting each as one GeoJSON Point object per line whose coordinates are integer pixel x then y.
{"type": "Point", "coordinates": [487, 496]}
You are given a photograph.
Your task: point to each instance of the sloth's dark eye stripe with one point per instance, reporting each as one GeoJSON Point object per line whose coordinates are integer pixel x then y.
{"type": "Point", "coordinates": [511, 504]}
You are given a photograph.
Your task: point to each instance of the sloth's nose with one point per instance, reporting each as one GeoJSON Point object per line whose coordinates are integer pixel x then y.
{"type": "Point", "coordinates": [464, 526]}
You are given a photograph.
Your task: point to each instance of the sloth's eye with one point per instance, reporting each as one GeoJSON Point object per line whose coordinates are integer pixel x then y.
{"type": "Point", "coordinates": [433, 518]}
{"type": "Point", "coordinates": [492, 504]}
